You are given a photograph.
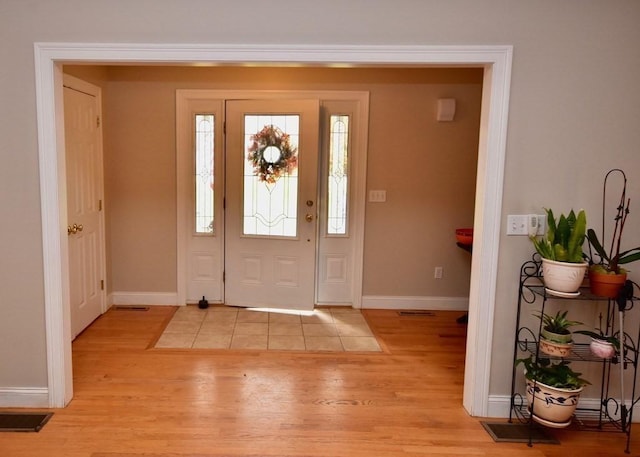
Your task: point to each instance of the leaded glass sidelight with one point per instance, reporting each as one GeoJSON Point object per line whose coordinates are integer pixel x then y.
{"type": "Point", "coordinates": [271, 175]}
{"type": "Point", "coordinates": [338, 183]}
{"type": "Point", "coordinates": [204, 169]}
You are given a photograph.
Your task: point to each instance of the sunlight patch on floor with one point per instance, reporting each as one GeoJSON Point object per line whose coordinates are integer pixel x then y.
{"type": "Point", "coordinates": [222, 327]}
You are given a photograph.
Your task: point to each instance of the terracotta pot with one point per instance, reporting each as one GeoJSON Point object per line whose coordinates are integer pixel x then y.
{"type": "Point", "coordinates": [563, 277]}
{"type": "Point", "coordinates": [606, 285]}
{"type": "Point", "coordinates": [554, 348]}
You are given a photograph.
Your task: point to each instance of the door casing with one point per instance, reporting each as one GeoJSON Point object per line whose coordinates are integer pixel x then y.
{"type": "Point", "coordinates": [189, 99]}
{"type": "Point", "coordinates": [496, 61]}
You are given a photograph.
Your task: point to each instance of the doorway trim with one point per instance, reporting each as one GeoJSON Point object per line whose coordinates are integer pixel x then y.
{"type": "Point", "coordinates": [358, 171]}
{"type": "Point", "coordinates": [496, 61]}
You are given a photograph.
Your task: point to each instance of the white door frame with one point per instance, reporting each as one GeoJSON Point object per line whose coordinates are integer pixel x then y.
{"type": "Point", "coordinates": [358, 171]}
{"type": "Point", "coordinates": [496, 61]}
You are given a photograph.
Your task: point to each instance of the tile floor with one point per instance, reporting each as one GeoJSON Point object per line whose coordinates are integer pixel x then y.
{"type": "Point", "coordinates": [222, 327]}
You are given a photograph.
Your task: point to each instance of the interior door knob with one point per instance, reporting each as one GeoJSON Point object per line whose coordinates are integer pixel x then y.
{"type": "Point", "coordinates": [73, 229]}
{"type": "Point", "coordinates": [309, 217]}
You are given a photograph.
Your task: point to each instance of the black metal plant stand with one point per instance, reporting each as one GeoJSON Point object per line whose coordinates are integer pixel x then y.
{"type": "Point", "coordinates": [614, 412]}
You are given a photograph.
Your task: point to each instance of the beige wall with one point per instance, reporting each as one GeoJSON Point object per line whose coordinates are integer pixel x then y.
{"type": "Point", "coordinates": [574, 112]}
{"type": "Point", "coordinates": [427, 168]}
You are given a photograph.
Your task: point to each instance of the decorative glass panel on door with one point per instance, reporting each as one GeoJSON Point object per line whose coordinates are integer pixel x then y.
{"type": "Point", "coordinates": [338, 175]}
{"type": "Point", "coordinates": [270, 205]}
{"type": "Point", "coordinates": [204, 157]}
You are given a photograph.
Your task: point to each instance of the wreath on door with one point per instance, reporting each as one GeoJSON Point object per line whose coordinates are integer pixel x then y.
{"type": "Point", "coordinates": [272, 154]}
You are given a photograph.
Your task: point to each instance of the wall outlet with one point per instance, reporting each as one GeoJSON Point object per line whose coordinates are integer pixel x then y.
{"type": "Point", "coordinates": [437, 273]}
{"type": "Point", "coordinates": [378, 196]}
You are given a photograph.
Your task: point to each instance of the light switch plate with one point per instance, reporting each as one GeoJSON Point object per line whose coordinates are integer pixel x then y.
{"type": "Point", "coordinates": [518, 224]}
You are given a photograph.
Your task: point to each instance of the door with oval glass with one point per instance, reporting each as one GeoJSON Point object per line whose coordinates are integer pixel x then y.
{"type": "Point", "coordinates": [271, 209]}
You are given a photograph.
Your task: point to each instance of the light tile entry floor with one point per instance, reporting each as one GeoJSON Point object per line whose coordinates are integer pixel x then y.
{"type": "Point", "coordinates": [222, 327]}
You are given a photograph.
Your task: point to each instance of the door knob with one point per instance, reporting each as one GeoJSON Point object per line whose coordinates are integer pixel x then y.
{"type": "Point", "coordinates": [309, 217]}
{"type": "Point", "coordinates": [75, 228]}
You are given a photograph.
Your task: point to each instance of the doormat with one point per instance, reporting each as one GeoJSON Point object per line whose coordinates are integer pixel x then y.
{"type": "Point", "coordinates": [23, 422]}
{"type": "Point", "coordinates": [504, 432]}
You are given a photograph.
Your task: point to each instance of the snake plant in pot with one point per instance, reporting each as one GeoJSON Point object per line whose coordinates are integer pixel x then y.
{"type": "Point", "coordinates": [563, 264]}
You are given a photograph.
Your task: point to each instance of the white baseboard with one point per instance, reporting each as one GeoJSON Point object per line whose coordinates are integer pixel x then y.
{"type": "Point", "coordinates": [416, 303]}
{"type": "Point", "coordinates": [24, 397]}
{"type": "Point", "coordinates": [499, 406]}
{"type": "Point", "coordinates": [143, 298]}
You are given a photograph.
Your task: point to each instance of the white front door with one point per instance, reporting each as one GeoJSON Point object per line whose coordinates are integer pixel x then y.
{"type": "Point", "coordinates": [83, 150]}
{"type": "Point", "coordinates": [271, 203]}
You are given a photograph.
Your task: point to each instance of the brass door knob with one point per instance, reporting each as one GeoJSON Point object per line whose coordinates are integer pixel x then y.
{"type": "Point", "coordinates": [309, 217]}
{"type": "Point", "coordinates": [73, 229]}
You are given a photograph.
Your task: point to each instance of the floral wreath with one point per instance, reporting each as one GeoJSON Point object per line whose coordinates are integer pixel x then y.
{"type": "Point", "coordinates": [269, 171]}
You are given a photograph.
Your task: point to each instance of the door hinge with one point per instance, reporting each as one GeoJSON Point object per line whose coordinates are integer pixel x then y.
{"type": "Point", "coordinates": [224, 127]}
{"type": "Point", "coordinates": [97, 121]}
{"type": "Point", "coordinates": [224, 203]}
{"type": "Point", "coordinates": [102, 284]}
{"type": "Point", "coordinates": [99, 205]}
{"type": "Point", "coordinates": [224, 276]}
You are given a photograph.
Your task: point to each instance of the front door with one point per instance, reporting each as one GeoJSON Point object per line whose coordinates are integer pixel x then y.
{"type": "Point", "coordinates": [271, 156]}
{"type": "Point", "coordinates": [83, 150]}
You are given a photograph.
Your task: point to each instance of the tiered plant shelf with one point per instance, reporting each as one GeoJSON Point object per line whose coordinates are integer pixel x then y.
{"type": "Point", "coordinates": [611, 413]}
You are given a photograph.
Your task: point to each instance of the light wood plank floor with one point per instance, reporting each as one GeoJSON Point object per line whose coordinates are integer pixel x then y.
{"type": "Point", "coordinates": [132, 400]}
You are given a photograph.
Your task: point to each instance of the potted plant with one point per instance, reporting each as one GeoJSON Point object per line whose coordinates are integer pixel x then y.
{"type": "Point", "coordinates": [555, 337]}
{"type": "Point", "coordinates": [604, 346]}
{"type": "Point", "coordinates": [606, 276]}
{"type": "Point", "coordinates": [553, 390]}
{"type": "Point", "coordinates": [563, 264]}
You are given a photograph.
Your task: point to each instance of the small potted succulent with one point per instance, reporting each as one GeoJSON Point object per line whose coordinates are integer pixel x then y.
{"type": "Point", "coordinates": [555, 337]}
{"type": "Point", "coordinates": [563, 264]}
{"type": "Point", "coordinates": [553, 390]}
{"type": "Point", "coordinates": [606, 276]}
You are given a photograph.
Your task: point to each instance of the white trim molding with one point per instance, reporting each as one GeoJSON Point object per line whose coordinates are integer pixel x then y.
{"type": "Point", "coordinates": [496, 61]}
{"type": "Point", "coordinates": [499, 406]}
{"type": "Point", "coordinates": [24, 397]}
{"type": "Point", "coordinates": [145, 298]}
{"type": "Point", "coordinates": [416, 303]}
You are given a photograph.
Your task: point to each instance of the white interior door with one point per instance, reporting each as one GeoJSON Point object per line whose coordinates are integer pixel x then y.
{"type": "Point", "coordinates": [83, 149]}
{"type": "Point", "coordinates": [271, 209]}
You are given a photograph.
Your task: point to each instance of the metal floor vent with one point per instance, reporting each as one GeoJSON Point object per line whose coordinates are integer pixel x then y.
{"type": "Point", "coordinates": [416, 313]}
{"type": "Point", "coordinates": [131, 308]}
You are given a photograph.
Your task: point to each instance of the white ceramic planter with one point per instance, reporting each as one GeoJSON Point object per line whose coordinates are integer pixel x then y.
{"type": "Point", "coordinates": [602, 349]}
{"type": "Point", "coordinates": [553, 406]}
{"type": "Point", "coordinates": [563, 277]}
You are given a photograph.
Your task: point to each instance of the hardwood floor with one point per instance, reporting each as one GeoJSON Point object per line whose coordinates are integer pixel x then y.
{"type": "Point", "coordinates": [135, 401]}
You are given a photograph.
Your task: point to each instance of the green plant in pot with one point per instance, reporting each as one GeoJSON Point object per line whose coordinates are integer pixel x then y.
{"type": "Point", "coordinates": [556, 338]}
{"type": "Point", "coordinates": [606, 276]}
{"type": "Point", "coordinates": [553, 390]}
{"type": "Point", "coordinates": [563, 264]}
